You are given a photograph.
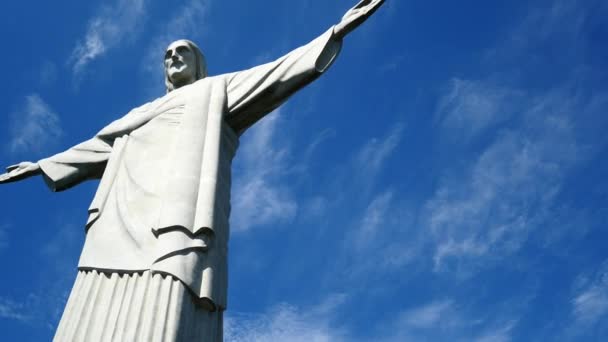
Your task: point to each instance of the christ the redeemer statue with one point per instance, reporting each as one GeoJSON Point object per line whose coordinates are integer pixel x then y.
{"type": "Point", "coordinates": [154, 262]}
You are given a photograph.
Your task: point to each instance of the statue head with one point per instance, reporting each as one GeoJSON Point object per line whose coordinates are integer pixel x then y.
{"type": "Point", "coordinates": [184, 64]}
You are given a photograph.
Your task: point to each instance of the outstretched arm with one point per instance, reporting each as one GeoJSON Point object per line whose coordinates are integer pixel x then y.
{"type": "Point", "coordinates": [84, 161]}
{"type": "Point", "coordinates": [256, 92]}
{"type": "Point", "coordinates": [61, 171]}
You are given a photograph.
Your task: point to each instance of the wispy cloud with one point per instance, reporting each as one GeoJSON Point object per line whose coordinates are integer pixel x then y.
{"type": "Point", "coordinates": [107, 30]}
{"type": "Point", "coordinates": [392, 64]}
{"type": "Point", "coordinates": [508, 189]}
{"type": "Point", "coordinates": [383, 240]}
{"type": "Point", "coordinates": [429, 315]}
{"type": "Point", "coordinates": [371, 223]}
{"type": "Point", "coordinates": [61, 255]}
{"type": "Point", "coordinates": [286, 323]}
{"type": "Point", "coordinates": [185, 20]}
{"type": "Point", "coordinates": [379, 232]}
{"type": "Point", "coordinates": [590, 301]}
{"type": "Point", "coordinates": [490, 201]}
{"type": "Point", "coordinates": [371, 157]}
{"type": "Point", "coordinates": [370, 160]}
{"type": "Point", "coordinates": [560, 25]}
{"type": "Point", "coordinates": [13, 310]}
{"type": "Point", "coordinates": [261, 195]}
{"type": "Point", "coordinates": [468, 107]}
{"type": "Point", "coordinates": [502, 333]}
{"type": "Point", "coordinates": [446, 320]}
{"type": "Point", "coordinates": [35, 127]}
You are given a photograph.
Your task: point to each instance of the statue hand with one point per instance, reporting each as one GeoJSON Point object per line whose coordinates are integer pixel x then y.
{"type": "Point", "coordinates": [356, 16]}
{"type": "Point", "coordinates": [20, 171]}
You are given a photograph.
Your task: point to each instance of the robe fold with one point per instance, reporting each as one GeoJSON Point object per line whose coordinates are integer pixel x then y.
{"type": "Point", "coordinates": [163, 202]}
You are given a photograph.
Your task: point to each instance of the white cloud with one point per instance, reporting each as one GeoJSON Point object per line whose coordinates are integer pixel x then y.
{"type": "Point", "coordinates": [488, 211]}
{"type": "Point", "coordinates": [392, 64]}
{"type": "Point", "coordinates": [429, 315]}
{"type": "Point", "coordinates": [484, 209]}
{"type": "Point", "coordinates": [469, 107]}
{"type": "Point", "coordinates": [381, 235]}
{"type": "Point", "coordinates": [260, 195]}
{"type": "Point", "coordinates": [446, 320]}
{"type": "Point", "coordinates": [500, 334]}
{"type": "Point", "coordinates": [106, 30]}
{"type": "Point", "coordinates": [590, 302]}
{"type": "Point", "coordinates": [186, 20]}
{"type": "Point", "coordinates": [563, 18]}
{"type": "Point", "coordinates": [384, 239]}
{"type": "Point", "coordinates": [43, 306]}
{"type": "Point", "coordinates": [373, 218]}
{"type": "Point", "coordinates": [34, 128]}
{"type": "Point", "coordinates": [371, 158]}
{"type": "Point", "coordinates": [286, 323]}
{"type": "Point", "coordinates": [561, 25]}
{"type": "Point", "coordinates": [13, 310]}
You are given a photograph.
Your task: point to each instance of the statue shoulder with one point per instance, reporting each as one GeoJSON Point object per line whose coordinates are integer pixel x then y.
{"type": "Point", "coordinates": [146, 106]}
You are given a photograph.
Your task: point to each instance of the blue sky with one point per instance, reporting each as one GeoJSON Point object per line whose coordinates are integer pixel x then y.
{"type": "Point", "coordinates": [444, 181]}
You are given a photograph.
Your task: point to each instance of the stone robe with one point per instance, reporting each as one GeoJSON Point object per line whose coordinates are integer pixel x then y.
{"type": "Point", "coordinates": [163, 201]}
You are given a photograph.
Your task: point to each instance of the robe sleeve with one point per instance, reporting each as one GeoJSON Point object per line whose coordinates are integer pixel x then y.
{"type": "Point", "coordinates": [79, 163]}
{"type": "Point", "coordinates": [88, 160]}
{"type": "Point", "coordinates": [255, 92]}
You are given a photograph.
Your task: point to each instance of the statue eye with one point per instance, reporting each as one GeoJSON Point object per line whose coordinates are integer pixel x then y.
{"type": "Point", "coordinates": [168, 54]}
{"type": "Point", "coordinates": [182, 49]}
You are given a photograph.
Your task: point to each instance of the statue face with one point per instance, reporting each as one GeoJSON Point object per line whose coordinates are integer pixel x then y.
{"type": "Point", "coordinates": [180, 64]}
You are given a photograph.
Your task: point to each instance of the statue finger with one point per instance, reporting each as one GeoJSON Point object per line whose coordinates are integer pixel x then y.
{"type": "Point", "coordinates": [362, 3]}
{"type": "Point", "coordinates": [373, 7]}
{"type": "Point", "coordinates": [12, 167]}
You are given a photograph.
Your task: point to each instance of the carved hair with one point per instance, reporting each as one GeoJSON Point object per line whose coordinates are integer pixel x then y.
{"type": "Point", "coordinates": [201, 64]}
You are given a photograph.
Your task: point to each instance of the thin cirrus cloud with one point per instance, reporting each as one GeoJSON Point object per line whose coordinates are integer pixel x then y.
{"type": "Point", "coordinates": [34, 128]}
{"type": "Point", "coordinates": [446, 320]}
{"type": "Point", "coordinates": [500, 334]}
{"type": "Point", "coordinates": [45, 302]}
{"type": "Point", "coordinates": [285, 322]}
{"type": "Point", "coordinates": [508, 190]}
{"type": "Point", "coordinates": [470, 107]}
{"type": "Point", "coordinates": [563, 22]}
{"type": "Point", "coordinates": [488, 203]}
{"type": "Point", "coordinates": [372, 157]}
{"type": "Point", "coordinates": [10, 309]}
{"type": "Point", "coordinates": [373, 221]}
{"type": "Point", "coordinates": [590, 301]}
{"type": "Point", "coordinates": [260, 194]}
{"type": "Point", "coordinates": [107, 30]}
{"type": "Point", "coordinates": [186, 20]}
{"type": "Point", "coordinates": [429, 315]}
